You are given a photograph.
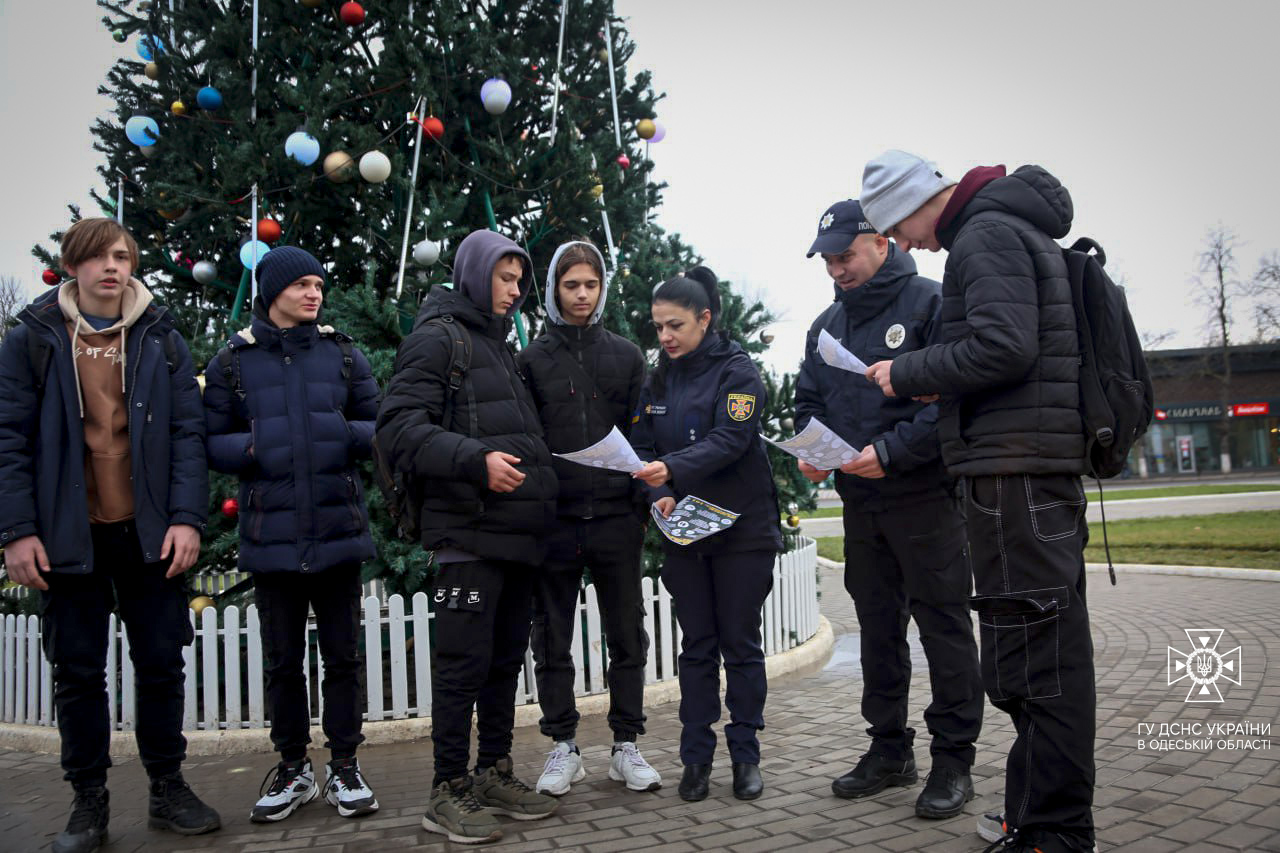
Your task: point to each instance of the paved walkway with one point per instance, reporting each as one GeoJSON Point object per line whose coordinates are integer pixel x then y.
{"type": "Point", "coordinates": [1147, 800]}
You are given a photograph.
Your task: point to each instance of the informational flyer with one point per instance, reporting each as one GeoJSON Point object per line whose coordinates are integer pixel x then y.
{"type": "Point", "coordinates": [693, 519]}
{"type": "Point", "coordinates": [834, 354]}
{"type": "Point", "coordinates": [819, 446]}
{"type": "Point", "coordinates": [613, 452]}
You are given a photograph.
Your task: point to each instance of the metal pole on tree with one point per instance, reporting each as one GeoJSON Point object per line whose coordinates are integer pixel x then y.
{"type": "Point", "coordinates": [413, 185]}
{"type": "Point", "coordinates": [555, 94]}
{"type": "Point", "coordinates": [613, 92]}
{"type": "Point", "coordinates": [120, 200]}
{"type": "Point", "coordinates": [254, 252]}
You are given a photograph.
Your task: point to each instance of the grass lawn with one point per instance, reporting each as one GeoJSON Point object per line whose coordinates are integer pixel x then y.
{"type": "Point", "coordinates": [1247, 540]}
{"type": "Point", "coordinates": [1109, 495]}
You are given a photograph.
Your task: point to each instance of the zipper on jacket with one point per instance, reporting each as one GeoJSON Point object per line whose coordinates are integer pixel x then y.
{"type": "Point", "coordinates": [591, 510]}
{"type": "Point", "coordinates": [351, 503]}
{"type": "Point", "coordinates": [255, 529]}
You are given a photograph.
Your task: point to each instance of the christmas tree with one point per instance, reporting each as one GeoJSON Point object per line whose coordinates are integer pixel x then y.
{"type": "Point", "coordinates": [374, 136]}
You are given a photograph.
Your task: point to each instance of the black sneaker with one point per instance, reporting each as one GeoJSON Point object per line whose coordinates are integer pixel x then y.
{"type": "Point", "coordinates": [87, 828]}
{"type": "Point", "coordinates": [873, 774]}
{"type": "Point", "coordinates": [175, 807]}
{"type": "Point", "coordinates": [945, 793]}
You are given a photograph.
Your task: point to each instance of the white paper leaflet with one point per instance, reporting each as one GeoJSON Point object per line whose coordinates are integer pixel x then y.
{"type": "Point", "coordinates": [819, 446]}
{"type": "Point", "coordinates": [612, 452]}
{"type": "Point", "coordinates": [693, 519]}
{"type": "Point", "coordinates": [837, 356]}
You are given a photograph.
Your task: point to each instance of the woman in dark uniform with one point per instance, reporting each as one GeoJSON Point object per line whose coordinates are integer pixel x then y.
{"type": "Point", "coordinates": [699, 423]}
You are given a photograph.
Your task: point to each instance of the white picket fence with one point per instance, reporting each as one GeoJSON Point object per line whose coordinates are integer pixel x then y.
{"type": "Point", "coordinates": [224, 676]}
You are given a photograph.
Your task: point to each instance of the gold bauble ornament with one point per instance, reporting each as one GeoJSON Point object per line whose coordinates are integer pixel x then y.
{"type": "Point", "coordinates": [178, 108]}
{"type": "Point", "coordinates": [200, 602]}
{"type": "Point", "coordinates": [597, 190]}
{"type": "Point", "coordinates": [339, 167]}
{"type": "Point", "coordinates": [603, 54]}
{"type": "Point", "coordinates": [645, 128]}
{"type": "Point", "coordinates": [152, 70]}
{"type": "Point", "coordinates": [793, 521]}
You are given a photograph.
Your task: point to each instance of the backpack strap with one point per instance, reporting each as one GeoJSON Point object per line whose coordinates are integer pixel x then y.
{"type": "Point", "coordinates": [459, 365]}
{"type": "Point", "coordinates": [1087, 245]}
{"type": "Point", "coordinates": [347, 347]}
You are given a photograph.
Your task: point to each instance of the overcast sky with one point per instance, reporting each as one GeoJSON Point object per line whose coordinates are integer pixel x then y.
{"type": "Point", "coordinates": [1160, 119]}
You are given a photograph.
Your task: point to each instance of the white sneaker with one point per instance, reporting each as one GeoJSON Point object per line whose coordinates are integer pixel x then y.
{"type": "Point", "coordinates": [563, 768]}
{"type": "Point", "coordinates": [293, 785]}
{"type": "Point", "coordinates": [344, 787]}
{"type": "Point", "coordinates": [628, 765]}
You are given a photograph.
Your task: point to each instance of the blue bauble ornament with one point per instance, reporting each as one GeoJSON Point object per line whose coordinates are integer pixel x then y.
{"type": "Point", "coordinates": [209, 98]}
{"type": "Point", "coordinates": [246, 252]}
{"type": "Point", "coordinates": [142, 130]}
{"type": "Point", "coordinates": [302, 147]}
{"type": "Point", "coordinates": [149, 47]}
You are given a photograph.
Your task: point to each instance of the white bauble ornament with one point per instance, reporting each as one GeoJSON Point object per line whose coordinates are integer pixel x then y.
{"type": "Point", "coordinates": [426, 253]}
{"type": "Point", "coordinates": [204, 272]}
{"type": "Point", "coordinates": [375, 167]}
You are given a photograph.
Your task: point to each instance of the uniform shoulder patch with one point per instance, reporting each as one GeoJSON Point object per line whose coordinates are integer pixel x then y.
{"type": "Point", "coordinates": [741, 406]}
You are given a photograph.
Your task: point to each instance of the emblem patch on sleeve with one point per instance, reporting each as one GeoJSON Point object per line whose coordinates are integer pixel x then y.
{"type": "Point", "coordinates": [741, 406]}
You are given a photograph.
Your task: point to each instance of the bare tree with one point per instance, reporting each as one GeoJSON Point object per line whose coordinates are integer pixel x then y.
{"type": "Point", "coordinates": [1151, 340]}
{"type": "Point", "coordinates": [12, 297]}
{"type": "Point", "coordinates": [1265, 290]}
{"type": "Point", "coordinates": [1217, 289]}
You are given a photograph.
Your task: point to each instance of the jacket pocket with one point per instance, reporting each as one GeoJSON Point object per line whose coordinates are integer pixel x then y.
{"type": "Point", "coordinates": [1055, 505]}
{"type": "Point", "coordinates": [353, 503]}
{"type": "Point", "coordinates": [253, 519]}
{"type": "Point", "coordinates": [1019, 638]}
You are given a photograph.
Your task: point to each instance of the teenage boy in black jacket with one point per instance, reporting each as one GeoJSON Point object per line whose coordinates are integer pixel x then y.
{"type": "Point", "coordinates": [103, 495]}
{"type": "Point", "coordinates": [487, 493]}
{"type": "Point", "coordinates": [585, 381]}
{"type": "Point", "coordinates": [903, 526]}
{"type": "Point", "coordinates": [1008, 374]}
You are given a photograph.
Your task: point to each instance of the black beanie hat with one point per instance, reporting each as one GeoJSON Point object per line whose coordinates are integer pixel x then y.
{"type": "Point", "coordinates": [280, 268]}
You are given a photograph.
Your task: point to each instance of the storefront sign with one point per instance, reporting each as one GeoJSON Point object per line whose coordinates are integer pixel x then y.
{"type": "Point", "coordinates": [1251, 409]}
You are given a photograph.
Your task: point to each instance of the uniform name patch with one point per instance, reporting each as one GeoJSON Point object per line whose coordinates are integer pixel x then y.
{"type": "Point", "coordinates": [651, 409]}
{"type": "Point", "coordinates": [741, 406]}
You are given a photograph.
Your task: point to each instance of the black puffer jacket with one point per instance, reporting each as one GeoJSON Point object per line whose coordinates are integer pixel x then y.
{"type": "Point", "coordinates": [575, 416]}
{"type": "Point", "coordinates": [896, 311]}
{"type": "Point", "coordinates": [1008, 367]}
{"type": "Point", "coordinates": [448, 464]}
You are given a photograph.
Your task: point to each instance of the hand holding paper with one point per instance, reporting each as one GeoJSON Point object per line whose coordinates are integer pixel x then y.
{"type": "Point", "coordinates": [692, 519]}
{"type": "Point", "coordinates": [819, 446]}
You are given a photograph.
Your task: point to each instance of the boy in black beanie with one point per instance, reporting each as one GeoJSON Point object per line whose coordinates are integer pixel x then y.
{"type": "Point", "coordinates": [290, 407]}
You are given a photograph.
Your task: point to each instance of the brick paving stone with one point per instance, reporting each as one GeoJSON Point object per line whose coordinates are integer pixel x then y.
{"type": "Point", "coordinates": [1146, 800]}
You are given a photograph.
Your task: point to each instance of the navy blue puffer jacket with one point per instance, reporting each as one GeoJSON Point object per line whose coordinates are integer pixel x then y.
{"type": "Point", "coordinates": [294, 441]}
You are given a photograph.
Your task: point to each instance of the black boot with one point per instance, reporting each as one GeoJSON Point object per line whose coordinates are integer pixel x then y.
{"type": "Point", "coordinates": [175, 807]}
{"type": "Point", "coordinates": [746, 781]}
{"type": "Point", "coordinates": [944, 794]}
{"type": "Point", "coordinates": [873, 774]}
{"type": "Point", "coordinates": [87, 828]}
{"type": "Point", "coordinates": [695, 782]}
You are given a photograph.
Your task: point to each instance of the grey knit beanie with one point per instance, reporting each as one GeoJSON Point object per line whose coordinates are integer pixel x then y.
{"type": "Point", "coordinates": [897, 184]}
{"type": "Point", "coordinates": [280, 268]}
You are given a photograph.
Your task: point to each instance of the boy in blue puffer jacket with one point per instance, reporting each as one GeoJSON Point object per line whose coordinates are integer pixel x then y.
{"type": "Point", "coordinates": [290, 407]}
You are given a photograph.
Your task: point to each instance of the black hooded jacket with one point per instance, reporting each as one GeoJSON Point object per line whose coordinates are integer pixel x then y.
{"type": "Point", "coordinates": [448, 464]}
{"type": "Point", "coordinates": [558, 365]}
{"type": "Point", "coordinates": [895, 312]}
{"type": "Point", "coordinates": [1008, 365]}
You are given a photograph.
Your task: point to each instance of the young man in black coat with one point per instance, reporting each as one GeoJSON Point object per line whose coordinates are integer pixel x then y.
{"type": "Point", "coordinates": [1007, 370]}
{"type": "Point", "coordinates": [586, 381]}
{"type": "Point", "coordinates": [465, 430]}
{"type": "Point", "coordinates": [103, 495]}
{"type": "Point", "coordinates": [290, 406]}
{"type": "Point", "coordinates": [903, 526]}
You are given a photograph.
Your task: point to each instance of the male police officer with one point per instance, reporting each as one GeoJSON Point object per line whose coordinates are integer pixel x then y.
{"type": "Point", "coordinates": [904, 531]}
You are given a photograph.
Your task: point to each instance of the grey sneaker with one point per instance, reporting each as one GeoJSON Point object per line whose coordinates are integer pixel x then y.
{"type": "Point", "coordinates": [501, 792]}
{"type": "Point", "coordinates": [563, 768]}
{"type": "Point", "coordinates": [991, 826]}
{"type": "Point", "coordinates": [453, 811]}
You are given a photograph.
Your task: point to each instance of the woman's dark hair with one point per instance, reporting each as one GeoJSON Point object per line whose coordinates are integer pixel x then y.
{"type": "Point", "coordinates": [696, 290]}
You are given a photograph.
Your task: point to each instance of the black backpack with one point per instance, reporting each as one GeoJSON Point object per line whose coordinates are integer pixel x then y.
{"type": "Point", "coordinates": [403, 500]}
{"type": "Point", "coordinates": [1116, 398]}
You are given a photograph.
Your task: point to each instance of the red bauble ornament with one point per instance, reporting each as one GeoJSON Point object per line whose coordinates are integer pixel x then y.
{"type": "Point", "coordinates": [50, 277]}
{"type": "Point", "coordinates": [433, 127]}
{"type": "Point", "coordinates": [230, 507]}
{"type": "Point", "coordinates": [624, 161]}
{"type": "Point", "coordinates": [269, 230]}
{"type": "Point", "coordinates": [352, 14]}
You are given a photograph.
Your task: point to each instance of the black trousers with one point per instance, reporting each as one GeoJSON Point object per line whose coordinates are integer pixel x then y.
{"type": "Point", "coordinates": [74, 614]}
{"type": "Point", "coordinates": [482, 612]}
{"type": "Point", "coordinates": [1026, 537]}
{"type": "Point", "coordinates": [283, 599]}
{"type": "Point", "coordinates": [903, 564]}
{"type": "Point", "coordinates": [609, 548]}
{"type": "Point", "coordinates": [718, 599]}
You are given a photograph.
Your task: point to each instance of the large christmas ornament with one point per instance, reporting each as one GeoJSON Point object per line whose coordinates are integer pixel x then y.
{"type": "Point", "coordinates": [50, 277]}
{"type": "Point", "coordinates": [119, 36]}
{"type": "Point", "coordinates": [200, 602]}
{"type": "Point", "coordinates": [597, 190]}
{"type": "Point", "coordinates": [152, 70]}
{"type": "Point", "coordinates": [303, 147]}
{"type": "Point", "coordinates": [427, 252]}
{"type": "Point", "coordinates": [496, 96]}
{"type": "Point", "coordinates": [205, 272]}
{"type": "Point", "coordinates": [338, 166]}
{"type": "Point", "coordinates": [172, 213]}
{"type": "Point", "coordinates": [247, 259]}
{"type": "Point", "coordinates": [375, 167]}
{"type": "Point", "coordinates": [178, 108]}
{"type": "Point", "coordinates": [230, 507]}
{"type": "Point", "coordinates": [269, 230]}
{"type": "Point", "coordinates": [352, 14]}
{"type": "Point", "coordinates": [433, 127]}
{"type": "Point", "coordinates": [645, 128]}
{"type": "Point", "coordinates": [209, 98]}
{"type": "Point", "coordinates": [149, 47]}
{"type": "Point", "coordinates": [624, 161]}
{"type": "Point", "coordinates": [142, 130]}
{"type": "Point", "coordinates": [793, 521]}
{"type": "Point", "coordinates": [659, 133]}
